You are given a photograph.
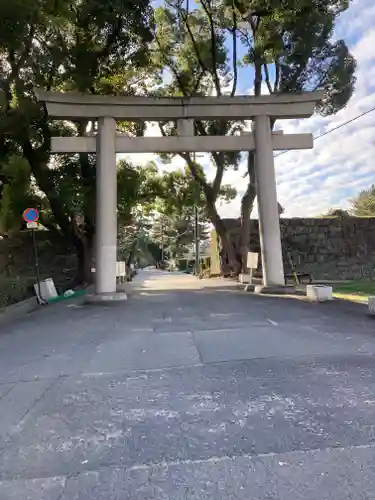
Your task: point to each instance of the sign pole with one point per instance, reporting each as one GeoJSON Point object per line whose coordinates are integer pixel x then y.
{"type": "Point", "coordinates": [37, 271]}
{"type": "Point", "coordinates": [197, 242]}
{"type": "Point", "coordinates": [196, 226]}
{"type": "Point", "coordinates": [31, 216]}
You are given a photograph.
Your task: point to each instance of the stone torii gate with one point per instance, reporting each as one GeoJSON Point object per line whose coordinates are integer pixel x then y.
{"type": "Point", "coordinates": [107, 143]}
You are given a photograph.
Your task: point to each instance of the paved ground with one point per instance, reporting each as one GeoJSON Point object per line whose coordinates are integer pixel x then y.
{"type": "Point", "coordinates": [190, 390]}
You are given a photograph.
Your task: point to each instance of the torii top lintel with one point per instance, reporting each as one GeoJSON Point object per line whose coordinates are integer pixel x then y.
{"type": "Point", "coordinates": [70, 106]}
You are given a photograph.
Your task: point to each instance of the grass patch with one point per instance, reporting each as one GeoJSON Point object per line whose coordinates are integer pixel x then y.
{"type": "Point", "coordinates": [355, 291]}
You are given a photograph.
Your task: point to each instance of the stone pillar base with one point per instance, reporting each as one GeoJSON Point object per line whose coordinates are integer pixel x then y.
{"type": "Point", "coordinates": [275, 289]}
{"type": "Point", "coordinates": [249, 288]}
{"type": "Point", "coordinates": [122, 287]}
{"type": "Point", "coordinates": [105, 298]}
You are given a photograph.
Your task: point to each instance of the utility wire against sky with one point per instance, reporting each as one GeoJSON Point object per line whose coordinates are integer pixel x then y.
{"type": "Point", "coordinates": [330, 131]}
{"type": "Point", "coordinates": [335, 128]}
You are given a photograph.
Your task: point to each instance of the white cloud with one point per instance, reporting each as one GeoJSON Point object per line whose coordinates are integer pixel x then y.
{"type": "Point", "coordinates": [341, 163]}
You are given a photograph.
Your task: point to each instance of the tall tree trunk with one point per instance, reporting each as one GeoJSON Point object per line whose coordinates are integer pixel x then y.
{"type": "Point", "coordinates": [247, 204]}
{"type": "Point", "coordinates": [211, 194]}
{"type": "Point", "coordinates": [223, 235]}
{"type": "Point", "coordinates": [248, 199]}
{"type": "Point", "coordinates": [85, 253]}
{"type": "Point", "coordinates": [131, 254]}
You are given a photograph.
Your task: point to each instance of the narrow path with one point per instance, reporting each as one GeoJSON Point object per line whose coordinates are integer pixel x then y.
{"type": "Point", "coordinates": [190, 390]}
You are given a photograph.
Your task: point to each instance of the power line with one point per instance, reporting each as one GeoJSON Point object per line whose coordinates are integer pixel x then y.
{"type": "Point", "coordinates": [335, 128]}
{"type": "Point", "coordinates": [330, 131]}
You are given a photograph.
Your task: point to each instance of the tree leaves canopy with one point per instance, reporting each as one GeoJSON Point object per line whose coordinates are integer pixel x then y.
{"type": "Point", "coordinates": [363, 205]}
{"type": "Point", "coordinates": [81, 45]}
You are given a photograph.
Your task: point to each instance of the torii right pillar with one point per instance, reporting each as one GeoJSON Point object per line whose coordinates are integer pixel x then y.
{"type": "Point", "coordinates": [268, 211]}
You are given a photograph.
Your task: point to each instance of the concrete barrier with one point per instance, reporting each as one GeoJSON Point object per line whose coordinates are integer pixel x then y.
{"type": "Point", "coordinates": [319, 293]}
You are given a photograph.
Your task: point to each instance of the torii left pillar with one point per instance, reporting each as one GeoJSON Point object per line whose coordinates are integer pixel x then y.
{"type": "Point", "coordinates": [106, 213]}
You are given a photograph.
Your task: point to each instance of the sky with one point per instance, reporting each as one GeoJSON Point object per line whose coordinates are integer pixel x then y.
{"type": "Point", "coordinates": [342, 163]}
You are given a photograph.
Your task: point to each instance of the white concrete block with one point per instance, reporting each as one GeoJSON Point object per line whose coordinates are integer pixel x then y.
{"type": "Point", "coordinates": [244, 278]}
{"type": "Point", "coordinates": [319, 293]}
{"type": "Point", "coordinates": [371, 305]}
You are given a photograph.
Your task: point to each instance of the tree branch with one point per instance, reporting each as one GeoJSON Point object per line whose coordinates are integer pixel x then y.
{"type": "Point", "coordinates": [267, 78]}
{"type": "Point", "coordinates": [162, 131]}
{"type": "Point", "coordinates": [49, 225]}
{"type": "Point", "coordinates": [215, 76]}
{"type": "Point", "coordinates": [218, 159]}
{"type": "Point", "coordinates": [46, 185]}
{"type": "Point", "coordinates": [254, 23]}
{"type": "Point", "coordinates": [194, 171]}
{"type": "Point", "coordinates": [251, 168]}
{"type": "Point", "coordinates": [216, 184]}
{"type": "Point", "coordinates": [187, 158]}
{"type": "Point", "coordinates": [258, 78]}
{"type": "Point", "coordinates": [16, 65]}
{"type": "Point", "coordinates": [277, 75]}
{"type": "Point", "coordinates": [88, 178]}
{"type": "Point", "coordinates": [193, 41]}
{"type": "Point", "coordinates": [234, 53]}
{"type": "Point", "coordinates": [198, 82]}
{"type": "Point", "coordinates": [171, 66]}
{"type": "Point", "coordinates": [112, 39]}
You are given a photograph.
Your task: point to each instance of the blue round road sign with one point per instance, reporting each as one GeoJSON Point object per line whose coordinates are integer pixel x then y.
{"type": "Point", "coordinates": [31, 215]}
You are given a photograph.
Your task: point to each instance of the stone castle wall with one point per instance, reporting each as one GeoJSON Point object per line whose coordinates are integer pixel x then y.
{"type": "Point", "coordinates": [335, 248]}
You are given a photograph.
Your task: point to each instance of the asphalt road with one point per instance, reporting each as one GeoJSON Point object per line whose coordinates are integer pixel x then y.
{"type": "Point", "coordinates": [189, 390]}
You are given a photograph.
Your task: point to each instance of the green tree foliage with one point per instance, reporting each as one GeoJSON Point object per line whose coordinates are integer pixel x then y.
{"type": "Point", "coordinates": [139, 188]}
{"type": "Point", "coordinates": [337, 212]}
{"type": "Point", "coordinates": [293, 39]}
{"type": "Point", "coordinates": [134, 243]}
{"type": "Point", "coordinates": [17, 193]}
{"type": "Point", "coordinates": [173, 227]}
{"type": "Point", "coordinates": [182, 193]}
{"type": "Point", "coordinates": [191, 45]}
{"type": "Point", "coordinates": [162, 213]}
{"type": "Point", "coordinates": [288, 47]}
{"type": "Point", "coordinates": [81, 45]}
{"type": "Point", "coordinates": [363, 205]}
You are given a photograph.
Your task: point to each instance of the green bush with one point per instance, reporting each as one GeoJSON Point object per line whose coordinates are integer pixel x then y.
{"type": "Point", "coordinates": [14, 290]}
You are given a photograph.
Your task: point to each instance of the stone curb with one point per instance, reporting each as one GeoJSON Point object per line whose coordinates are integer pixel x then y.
{"type": "Point", "coordinates": [18, 309]}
